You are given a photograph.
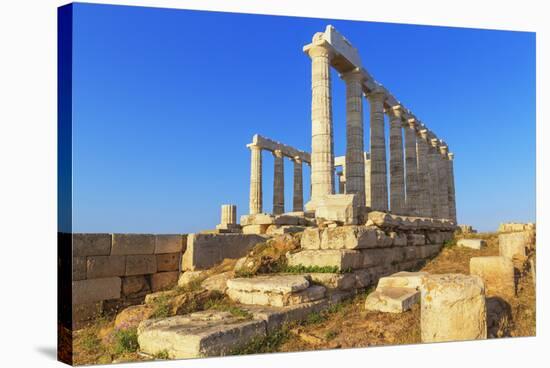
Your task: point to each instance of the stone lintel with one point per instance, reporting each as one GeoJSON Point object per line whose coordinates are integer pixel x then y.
{"type": "Point", "coordinates": [272, 146]}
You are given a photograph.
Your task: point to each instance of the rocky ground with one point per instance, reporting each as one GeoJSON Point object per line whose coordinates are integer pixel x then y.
{"type": "Point", "coordinates": [344, 325]}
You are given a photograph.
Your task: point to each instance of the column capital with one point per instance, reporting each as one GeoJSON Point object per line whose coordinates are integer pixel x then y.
{"type": "Point", "coordinates": [319, 47]}
{"type": "Point", "coordinates": [443, 148]}
{"type": "Point", "coordinates": [412, 123]}
{"type": "Point", "coordinates": [254, 146]}
{"type": "Point", "coordinates": [434, 142]}
{"type": "Point", "coordinates": [377, 94]}
{"type": "Point", "coordinates": [278, 153]}
{"type": "Point", "coordinates": [451, 156]}
{"type": "Point", "coordinates": [353, 75]}
{"type": "Point", "coordinates": [395, 112]}
{"type": "Point", "coordinates": [297, 159]}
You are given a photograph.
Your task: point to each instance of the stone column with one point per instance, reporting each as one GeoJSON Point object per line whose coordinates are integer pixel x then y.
{"type": "Point", "coordinates": [298, 197]}
{"type": "Point", "coordinates": [411, 168]}
{"type": "Point", "coordinates": [443, 181]}
{"type": "Point", "coordinates": [378, 173]}
{"type": "Point", "coordinates": [397, 178]}
{"type": "Point", "coordinates": [433, 158]}
{"type": "Point", "coordinates": [355, 160]}
{"type": "Point", "coordinates": [452, 196]}
{"type": "Point", "coordinates": [278, 183]}
{"type": "Point", "coordinates": [322, 154]}
{"type": "Point", "coordinates": [367, 180]}
{"type": "Point", "coordinates": [341, 182]}
{"type": "Point", "coordinates": [425, 188]}
{"type": "Point", "coordinates": [229, 214]}
{"type": "Point", "coordinates": [255, 203]}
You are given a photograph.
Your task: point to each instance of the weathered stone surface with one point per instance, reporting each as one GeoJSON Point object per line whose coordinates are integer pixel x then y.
{"type": "Point", "coordinates": [79, 268]}
{"type": "Point", "coordinates": [392, 300]}
{"type": "Point", "coordinates": [514, 227]}
{"type": "Point", "coordinates": [344, 237]}
{"type": "Point", "coordinates": [286, 219]}
{"type": "Point", "coordinates": [339, 207]}
{"type": "Point", "coordinates": [382, 219]}
{"type": "Point", "coordinates": [257, 219]}
{"type": "Point", "coordinates": [284, 229]}
{"type": "Point", "coordinates": [168, 262]}
{"type": "Point", "coordinates": [164, 280]}
{"type": "Point", "coordinates": [274, 284]}
{"type": "Point", "coordinates": [125, 244]}
{"type": "Point", "coordinates": [382, 256]}
{"type": "Point", "coordinates": [105, 266]}
{"type": "Point", "coordinates": [255, 229]}
{"type": "Point", "coordinates": [135, 285]}
{"type": "Point", "coordinates": [472, 243]}
{"type": "Point", "coordinates": [131, 317]}
{"type": "Point", "coordinates": [198, 334]}
{"type": "Point", "coordinates": [276, 299]}
{"type": "Point", "coordinates": [188, 277]}
{"type": "Point", "coordinates": [416, 239]}
{"type": "Point", "coordinates": [403, 279]}
{"type": "Point", "coordinates": [513, 244]}
{"type": "Point", "coordinates": [497, 273]}
{"type": "Point", "coordinates": [207, 250]}
{"type": "Point", "coordinates": [435, 237]}
{"type": "Point", "coordinates": [362, 279]}
{"type": "Point", "coordinates": [341, 281]}
{"type": "Point", "coordinates": [218, 282]}
{"type": "Point", "coordinates": [398, 239]}
{"type": "Point", "coordinates": [91, 245]}
{"type": "Point", "coordinates": [168, 243]}
{"type": "Point", "coordinates": [427, 251]}
{"type": "Point", "coordinates": [94, 290]}
{"type": "Point", "coordinates": [344, 259]}
{"type": "Point", "coordinates": [143, 264]}
{"type": "Point", "coordinates": [453, 308]}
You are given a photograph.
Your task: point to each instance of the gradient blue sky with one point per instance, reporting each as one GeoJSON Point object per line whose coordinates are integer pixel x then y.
{"type": "Point", "coordinates": [166, 100]}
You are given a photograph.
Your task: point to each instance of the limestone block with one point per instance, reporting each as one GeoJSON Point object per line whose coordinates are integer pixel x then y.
{"type": "Point", "coordinates": [257, 219]}
{"type": "Point", "coordinates": [143, 264]}
{"type": "Point", "coordinates": [272, 283]}
{"type": "Point", "coordinates": [135, 285]}
{"type": "Point", "coordinates": [79, 268]}
{"type": "Point", "coordinates": [344, 259]}
{"type": "Point", "coordinates": [398, 239]}
{"type": "Point", "coordinates": [382, 219]}
{"type": "Point", "coordinates": [341, 281]}
{"type": "Point", "coordinates": [497, 273]}
{"type": "Point", "coordinates": [284, 229]}
{"type": "Point", "coordinates": [95, 290]}
{"type": "Point", "coordinates": [472, 243]}
{"type": "Point", "coordinates": [416, 239]}
{"type": "Point", "coordinates": [339, 207]}
{"type": "Point", "coordinates": [286, 219]}
{"type": "Point", "coordinates": [512, 245]}
{"type": "Point", "coordinates": [427, 251]}
{"type": "Point", "coordinates": [362, 279]}
{"type": "Point", "coordinates": [168, 262]}
{"type": "Point", "coordinates": [186, 278]}
{"type": "Point", "coordinates": [382, 256]}
{"type": "Point", "coordinates": [434, 237]}
{"type": "Point", "coordinates": [453, 308]}
{"type": "Point", "coordinates": [91, 245]}
{"type": "Point", "coordinates": [131, 317]}
{"type": "Point", "coordinates": [105, 266]}
{"type": "Point", "coordinates": [168, 243]}
{"type": "Point", "coordinates": [200, 334]}
{"type": "Point", "coordinates": [409, 253]}
{"type": "Point", "coordinates": [276, 299]}
{"type": "Point", "coordinates": [255, 229]}
{"type": "Point", "coordinates": [164, 280]}
{"type": "Point", "coordinates": [125, 244]}
{"type": "Point", "coordinates": [403, 279]}
{"type": "Point", "coordinates": [218, 282]}
{"type": "Point", "coordinates": [311, 238]}
{"type": "Point", "coordinates": [392, 300]}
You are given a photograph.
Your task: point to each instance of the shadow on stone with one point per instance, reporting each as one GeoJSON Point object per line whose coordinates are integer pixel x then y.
{"type": "Point", "coordinates": [499, 317]}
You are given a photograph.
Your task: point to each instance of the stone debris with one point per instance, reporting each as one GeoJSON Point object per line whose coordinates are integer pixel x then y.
{"type": "Point", "coordinates": [472, 243]}
{"type": "Point", "coordinates": [497, 273]}
{"type": "Point", "coordinates": [392, 299]}
{"type": "Point", "coordinates": [218, 282]}
{"type": "Point", "coordinates": [453, 308]}
{"type": "Point", "coordinates": [274, 284]}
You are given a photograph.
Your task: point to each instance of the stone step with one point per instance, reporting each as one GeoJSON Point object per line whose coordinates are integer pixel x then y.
{"type": "Point", "coordinates": [310, 294]}
{"type": "Point", "coordinates": [392, 299]}
{"type": "Point", "coordinates": [404, 279]}
{"type": "Point", "coordinates": [280, 284]}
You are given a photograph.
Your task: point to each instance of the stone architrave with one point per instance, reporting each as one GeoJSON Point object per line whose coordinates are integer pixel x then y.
{"type": "Point", "coordinates": [255, 179]}
{"type": "Point", "coordinates": [322, 145]}
{"type": "Point", "coordinates": [397, 170]}
{"type": "Point", "coordinates": [451, 176]}
{"type": "Point", "coordinates": [433, 155]}
{"type": "Point", "coordinates": [411, 178]}
{"type": "Point", "coordinates": [355, 159]}
{"type": "Point", "coordinates": [298, 194]}
{"type": "Point", "coordinates": [278, 183]}
{"type": "Point", "coordinates": [443, 181]}
{"type": "Point", "coordinates": [422, 166]}
{"type": "Point", "coordinates": [378, 171]}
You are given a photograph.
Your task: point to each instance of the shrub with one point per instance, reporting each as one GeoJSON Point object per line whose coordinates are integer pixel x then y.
{"type": "Point", "coordinates": [126, 341]}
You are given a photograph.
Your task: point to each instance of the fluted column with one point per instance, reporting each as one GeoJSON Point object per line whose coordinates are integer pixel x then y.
{"type": "Point", "coordinates": [425, 188]}
{"type": "Point", "coordinates": [443, 181]}
{"type": "Point", "coordinates": [255, 202]}
{"type": "Point", "coordinates": [397, 169]}
{"type": "Point", "coordinates": [433, 154]}
{"type": "Point", "coordinates": [322, 154]}
{"type": "Point", "coordinates": [298, 197]}
{"type": "Point", "coordinates": [278, 183]}
{"type": "Point", "coordinates": [378, 171]}
{"type": "Point", "coordinates": [410, 166]}
{"type": "Point", "coordinates": [355, 160]}
{"type": "Point", "coordinates": [451, 176]}
{"type": "Point", "coordinates": [229, 214]}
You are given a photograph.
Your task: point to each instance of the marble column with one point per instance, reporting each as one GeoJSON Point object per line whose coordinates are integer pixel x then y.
{"type": "Point", "coordinates": [355, 160]}
{"type": "Point", "coordinates": [278, 183]}
{"type": "Point", "coordinates": [433, 155]}
{"type": "Point", "coordinates": [451, 176]}
{"type": "Point", "coordinates": [443, 181]}
{"type": "Point", "coordinates": [298, 197]}
{"type": "Point", "coordinates": [425, 188]}
{"type": "Point", "coordinates": [341, 182]}
{"type": "Point", "coordinates": [378, 173]}
{"type": "Point", "coordinates": [229, 214]}
{"type": "Point", "coordinates": [367, 180]}
{"type": "Point", "coordinates": [255, 203]}
{"type": "Point", "coordinates": [397, 175]}
{"type": "Point", "coordinates": [411, 178]}
{"type": "Point", "coordinates": [322, 145]}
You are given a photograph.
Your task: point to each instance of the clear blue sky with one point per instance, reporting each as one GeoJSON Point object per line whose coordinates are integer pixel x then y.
{"type": "Point", "coordinates": [166, 100]}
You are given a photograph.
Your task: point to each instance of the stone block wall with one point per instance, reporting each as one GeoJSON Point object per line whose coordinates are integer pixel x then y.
{"type": "Point", "coordinates": [116, 270]}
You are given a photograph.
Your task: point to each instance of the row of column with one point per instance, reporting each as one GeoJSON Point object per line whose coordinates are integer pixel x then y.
{"type": "Point", "coordinates": [256, 191]}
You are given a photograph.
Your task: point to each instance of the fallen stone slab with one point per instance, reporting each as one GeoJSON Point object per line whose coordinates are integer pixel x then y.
{"type": "Point", "coordinates": [340, 281]}
{"type": "Point", "coordinates": [497, 273]}
{"type": "Point", "coordinates": [280, 284]}
{"type": "Point", "coordinates": [453, 308]}
{"type": "Point", "coordinates": [472, 243]}
{"type": "Point", "coordinates": [218, 282]}
{"type": "Point", "coordinates": [392, 299]}
{"type": "Point", "coordinates": [200, 334]}
{"type": "Point", "coordinates": [404, 279]}
{"type": "Point", "coordinates": [312, 293]}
